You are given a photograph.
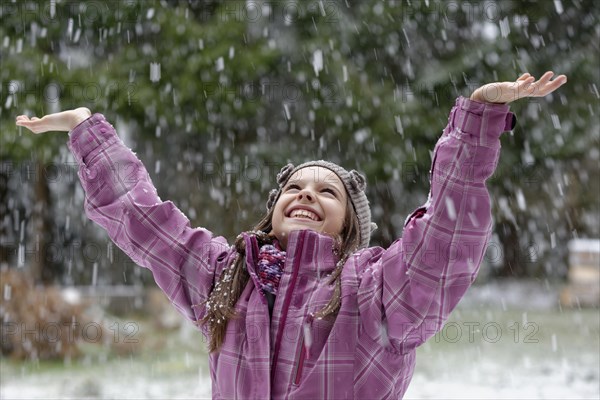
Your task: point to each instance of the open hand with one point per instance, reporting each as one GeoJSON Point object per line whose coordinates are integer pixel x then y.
{"type": "Point", "coordinates": [525, 86]}
{"type": "Point", "coordinates": [63, 121]}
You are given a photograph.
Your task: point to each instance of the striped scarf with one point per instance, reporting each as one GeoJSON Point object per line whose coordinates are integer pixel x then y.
{"type": "Point", "coordinates": [270, 266]}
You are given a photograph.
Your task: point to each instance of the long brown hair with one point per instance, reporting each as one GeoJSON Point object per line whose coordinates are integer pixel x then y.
{"type": "Point", "coordinates": [220, 306]}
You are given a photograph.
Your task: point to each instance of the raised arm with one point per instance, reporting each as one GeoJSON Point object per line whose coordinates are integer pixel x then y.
{"type": "Point", "coordinates": [120, 197]}
{"type": "Point", "coordinates": [60, 122]}
{"type": "Point", "coordinates": [414, 285]}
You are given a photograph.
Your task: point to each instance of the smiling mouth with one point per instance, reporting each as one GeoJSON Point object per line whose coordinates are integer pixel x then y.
{"type": "Point", "coordinates": [304, 214]}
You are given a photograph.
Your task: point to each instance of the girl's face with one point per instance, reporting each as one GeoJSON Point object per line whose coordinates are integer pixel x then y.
{"type": "Point", "coordinates": [314, 198]}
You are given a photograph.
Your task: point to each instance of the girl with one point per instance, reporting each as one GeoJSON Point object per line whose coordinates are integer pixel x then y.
{"type": "Point", "coordinates": [300, 307]}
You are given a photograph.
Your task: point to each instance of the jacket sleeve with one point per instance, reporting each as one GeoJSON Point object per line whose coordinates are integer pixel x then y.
{"type": "Point", "coordinates": [120, 197]}
{"type": "Point", "coordinates": [410, 288]}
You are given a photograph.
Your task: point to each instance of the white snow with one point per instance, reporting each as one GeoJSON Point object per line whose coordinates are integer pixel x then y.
{"type": "Point", "coordinates": [504, 27]}
{"type": "Point", "coordinates": [584, 245]}
{"type": "Point", "coordinates": [558, 6]}
{"type": "Point", "coordinates": [317, 61]}
{"type": "Point", "coordinates": [154, 72]}
{"type": "Point", "coordinates": [220, 64]}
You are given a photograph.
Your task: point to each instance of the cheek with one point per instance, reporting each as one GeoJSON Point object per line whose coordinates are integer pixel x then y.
{"type": "Point", "coordinates": [277, 218]}
{"type": "Point", "coordinates": [336, 223]}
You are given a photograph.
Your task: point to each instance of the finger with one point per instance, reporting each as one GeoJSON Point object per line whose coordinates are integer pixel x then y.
{"type": "Point", "coordinates": [524, 76]}
{"type": "Point", "coordinates": [34, 118]}
{"type": "Point", "coordinates": [544, 79]}
{"type": "Point", "coordinates": [527, 81]}
{"type": "Point", "coordinates": [537, 88]}
{"type": "Point", "coordinates": [526, 86]}
{"type": "Point", "coordinates": [22, 120]}
{"type": "Point", "coordinates": [552, 86]}
{"type": "Point", "coordinates": [563, 79]}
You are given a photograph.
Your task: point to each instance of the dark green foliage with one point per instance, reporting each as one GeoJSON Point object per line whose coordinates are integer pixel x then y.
{"type": "Point", "coordinates": [242, 91]}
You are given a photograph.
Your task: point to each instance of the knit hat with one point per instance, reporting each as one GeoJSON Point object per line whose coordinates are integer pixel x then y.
{"type": "Point", "coordinates": [354, 183]}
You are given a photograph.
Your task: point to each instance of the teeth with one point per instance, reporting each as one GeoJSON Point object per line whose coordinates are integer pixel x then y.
{"type": "Point", "coordinates": [304, 214]}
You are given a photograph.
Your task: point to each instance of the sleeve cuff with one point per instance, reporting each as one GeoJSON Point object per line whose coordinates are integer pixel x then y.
{"type": "Point", "coordinates": [88, 135]}
{"type": "Point", "coordinates": [481, 122]}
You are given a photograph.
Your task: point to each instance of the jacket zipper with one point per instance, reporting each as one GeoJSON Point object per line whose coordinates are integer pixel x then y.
{"type": "Point", "coordinates": [286, 303]}
{"type": "Point", "coordinates": [300, 365]}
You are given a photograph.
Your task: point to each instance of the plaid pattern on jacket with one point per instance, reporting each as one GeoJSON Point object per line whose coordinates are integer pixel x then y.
{"type": "Point", "coordinates": [393, 299]}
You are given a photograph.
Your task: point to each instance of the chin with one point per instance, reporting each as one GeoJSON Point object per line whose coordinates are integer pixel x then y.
{"type": "Point", "coordinates": [300, 227]}
{"type": "Point", "coordinates": [287, 232]}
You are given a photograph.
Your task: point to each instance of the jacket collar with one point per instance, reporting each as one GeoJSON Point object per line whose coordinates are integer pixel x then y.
{"type": "Point", "coordinates": [312, 251]}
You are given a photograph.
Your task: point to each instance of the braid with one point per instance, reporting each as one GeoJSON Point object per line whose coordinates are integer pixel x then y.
{"type": "Point", "coordinates": [220, 305]}
{"type": "Point", "coordinates": [348, 242]}
{"type": "Point", "coordinates": [336, 298]}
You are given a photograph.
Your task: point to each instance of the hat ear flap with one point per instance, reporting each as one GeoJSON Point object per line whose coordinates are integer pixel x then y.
{"type": "Point", "coordinates": [282, 178]}
{"type": "Point", "coordinates": [284, 174]}
{"type": "Point", "coordinates": [357, 181]}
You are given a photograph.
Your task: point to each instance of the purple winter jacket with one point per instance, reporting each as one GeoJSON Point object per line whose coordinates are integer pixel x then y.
{"type": "Point", "coordinates": [393, 299]}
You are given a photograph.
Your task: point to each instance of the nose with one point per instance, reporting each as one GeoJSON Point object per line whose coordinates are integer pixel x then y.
{"type": "Point", "coordinates": [305, 195]}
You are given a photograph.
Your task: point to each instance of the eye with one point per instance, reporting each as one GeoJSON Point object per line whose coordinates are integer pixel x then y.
{"type": "Point", "coordinates": [330, 191]}
{"type": "Point", "coordinates": [292, 187]}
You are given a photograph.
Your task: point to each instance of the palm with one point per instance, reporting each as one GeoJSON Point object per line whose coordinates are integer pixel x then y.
{"type": "Point", "coordinates": [34, 124]}
{"type": "Point", "coordinates": [62, 121]}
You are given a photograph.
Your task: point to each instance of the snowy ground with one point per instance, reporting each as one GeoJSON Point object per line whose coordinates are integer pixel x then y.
{"type": "Point", "coordinates": [505, 341]}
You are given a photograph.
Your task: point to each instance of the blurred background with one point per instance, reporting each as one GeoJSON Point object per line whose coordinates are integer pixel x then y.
{"type": "Point", "coordinates": [216, 96]}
